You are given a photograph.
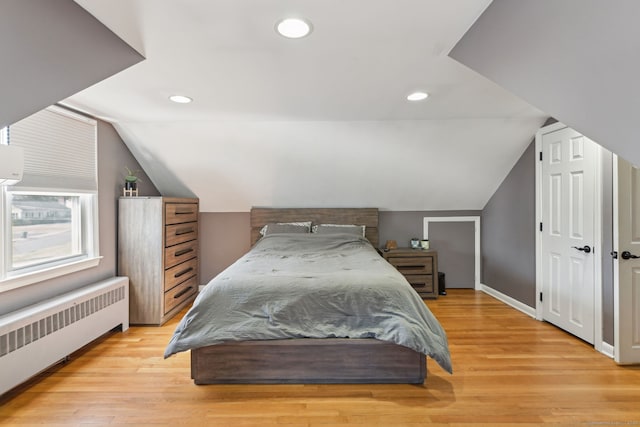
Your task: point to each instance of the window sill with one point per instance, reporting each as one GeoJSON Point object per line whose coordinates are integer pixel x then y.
{"type": "Point", "coordinates": [47, 274]}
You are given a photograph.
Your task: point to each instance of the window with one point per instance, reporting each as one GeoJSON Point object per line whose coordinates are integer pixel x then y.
{"type": "Point", "coordinates": [49, 219]}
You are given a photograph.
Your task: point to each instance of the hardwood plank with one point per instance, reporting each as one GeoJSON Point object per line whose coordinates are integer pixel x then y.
{"type": "Point", "coordinates": [509, 369]}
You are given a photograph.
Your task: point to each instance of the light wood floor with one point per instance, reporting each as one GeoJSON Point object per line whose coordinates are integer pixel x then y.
{"type": "Point", "coordinates": [509, 369]}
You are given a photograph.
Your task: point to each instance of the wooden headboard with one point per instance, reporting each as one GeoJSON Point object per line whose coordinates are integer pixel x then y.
{"type": "Point", "coordinates": [357, 216]}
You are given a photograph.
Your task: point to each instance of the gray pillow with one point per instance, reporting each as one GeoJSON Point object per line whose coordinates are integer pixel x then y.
{"type": "Point", "coordinates": [286, 227]}
{"type": "Point", "coordinates": [339, 228]}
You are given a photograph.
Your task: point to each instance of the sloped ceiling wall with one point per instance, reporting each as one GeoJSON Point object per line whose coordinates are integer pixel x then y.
{"type": "Point", "coordinates": [392, 165]}
{"type": "Point", "coordinates": [51, 50]}
{"type": "Point", "coordinates": [577, 60]}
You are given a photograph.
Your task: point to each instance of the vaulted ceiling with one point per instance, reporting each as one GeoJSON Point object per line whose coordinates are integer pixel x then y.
{"type": "Point", "coordinates": [317, 121]}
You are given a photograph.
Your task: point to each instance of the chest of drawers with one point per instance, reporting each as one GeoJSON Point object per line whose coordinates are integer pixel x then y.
{"type": "Point", "coordinates": [419, 267]}
{"type": "Point", "coordinates": [158, 251]}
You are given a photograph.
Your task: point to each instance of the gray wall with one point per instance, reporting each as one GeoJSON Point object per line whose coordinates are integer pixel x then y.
{"type": "Point", "coordinates": [455, 243]}
{"type": "Point", "coordinates": [113, 156]}
{"type": "Point", "coordinates": [507, 229]}
{"type": "Point", "coordinates": [224, 237]}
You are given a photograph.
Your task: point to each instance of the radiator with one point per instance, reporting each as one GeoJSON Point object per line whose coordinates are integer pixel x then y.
{"type": "Point", "coordinates": [38, 336]}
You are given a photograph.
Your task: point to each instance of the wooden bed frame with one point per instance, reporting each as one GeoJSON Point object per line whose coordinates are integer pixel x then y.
{"type": "Point", "coordinates": [332, 360]}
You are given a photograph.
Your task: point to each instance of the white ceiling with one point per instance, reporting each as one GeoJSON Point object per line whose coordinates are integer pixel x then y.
{"type": "Point", "coordinates": [319, 121]}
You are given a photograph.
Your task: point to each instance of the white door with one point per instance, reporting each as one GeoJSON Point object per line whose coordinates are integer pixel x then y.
{"type": "Point", "coordinates": [627, 285]}
{"type": "Point", "coordinates": [568, 231]}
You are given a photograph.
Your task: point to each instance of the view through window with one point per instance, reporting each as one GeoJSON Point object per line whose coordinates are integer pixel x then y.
{"type": "Point", "coordinates": [44, 228]}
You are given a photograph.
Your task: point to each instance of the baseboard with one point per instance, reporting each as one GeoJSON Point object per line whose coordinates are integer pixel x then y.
{"type": "Point", "coordinates": [529, 311]}
{"type": "Point", "coordinates": [608, 350]}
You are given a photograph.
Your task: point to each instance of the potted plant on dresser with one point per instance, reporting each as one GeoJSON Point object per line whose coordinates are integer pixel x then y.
{"type": "Point", "coordinates": [131, 182]}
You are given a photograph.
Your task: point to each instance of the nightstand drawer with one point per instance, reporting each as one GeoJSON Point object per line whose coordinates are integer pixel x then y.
{"type": "Point", "coordinates": [422, 283]}
{"type": "Point", "coordinates": [412, 269]}
{"type": "Point", "coordinates": [180, 273]}
{"type": "Point", "coordinates": [176, 213]}
{"type": "Point", "coordinates": [418, 265]}
{"type": "Point", "coordinates": [179, 294]}
{"type": "Point", "coordinates": [180, 253]}
{"type": "Point", "coordinates": [180, 233]}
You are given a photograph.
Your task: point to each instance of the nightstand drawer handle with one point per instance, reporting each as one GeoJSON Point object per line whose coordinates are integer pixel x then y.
{"type": "Point", "coordinates": [184, 212]}
{"type": "Point", "coordinates": [182, 292]}
{"type": "Point", "coordinates": [184, 231]}
{"type": "Point", "coordinates": [183, 252]}
{"type": "Point", "coordinates": [183, 272]}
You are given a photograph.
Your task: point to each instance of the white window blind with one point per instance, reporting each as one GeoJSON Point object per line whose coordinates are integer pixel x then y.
{"type": "Point", "coordinates": [59, 151]}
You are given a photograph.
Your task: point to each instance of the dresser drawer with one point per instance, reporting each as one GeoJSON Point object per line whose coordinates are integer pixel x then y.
{"type": "Point", "coordinates": [176, 213]}
{"type": "Point", "coordinates": [180, 293]}
{"type": "Point", "coordinates": [180, 253]}
{"type": "Point", "coordinates": [179, 273]}
{"type": "Point", "coordinates": [180, 233]}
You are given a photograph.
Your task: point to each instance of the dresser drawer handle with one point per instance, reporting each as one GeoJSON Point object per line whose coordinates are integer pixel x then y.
{"type": "Point", "coordinates": [184, 231]}
{"type": "Point", "coordinates": [183, 272]}
{"type": "Point", "coordinates": [183, 252]}
{"type": "Point", "coordinates": [182, 292]}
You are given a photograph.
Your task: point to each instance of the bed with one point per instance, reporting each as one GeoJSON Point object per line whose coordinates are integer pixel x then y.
{"type": "Point", "coordinates": [373, 328]}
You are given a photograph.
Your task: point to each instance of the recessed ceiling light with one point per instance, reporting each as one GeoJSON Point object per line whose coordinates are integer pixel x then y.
{"type": "Point", "coordinates": [293, 28]}
{"type": "Point", "coordinates": [180, 99]}
{"type": "Point", "coordinates": [417, 96]}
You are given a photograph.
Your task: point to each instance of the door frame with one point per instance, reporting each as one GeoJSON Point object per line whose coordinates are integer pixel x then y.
{"type": "Point", "coordinates": [599, 345]}
{"type": "Point", "coordinates": [616, 265]}
{"type": "Point", "coordinates": [476, 239]}
{"type": "Point", "coordinates": [618, 334]}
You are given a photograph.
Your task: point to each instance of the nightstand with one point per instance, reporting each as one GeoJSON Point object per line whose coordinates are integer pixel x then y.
{"type": "Point", "coordinates": [418, 266]}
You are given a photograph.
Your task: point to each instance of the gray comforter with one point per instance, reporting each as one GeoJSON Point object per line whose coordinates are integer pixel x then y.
{"type": "Point", "coordinates": [311, 286]}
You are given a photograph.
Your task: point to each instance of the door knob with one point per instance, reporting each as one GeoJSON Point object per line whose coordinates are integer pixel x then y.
{"type": "Point", "coordinates": [586, 249]}
{"type": "Point", "coordinates": [628, 255]}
